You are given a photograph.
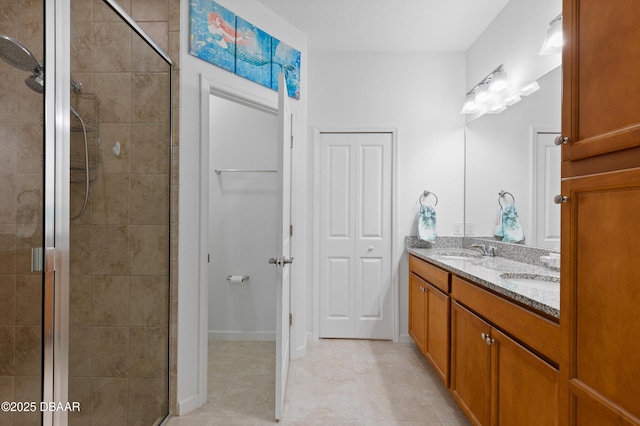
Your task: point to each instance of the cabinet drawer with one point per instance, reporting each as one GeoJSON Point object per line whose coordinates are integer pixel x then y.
{"type": "Point", "coordinates": [535, 331]}
{"type": "Point", "coordinates": [437, 277]}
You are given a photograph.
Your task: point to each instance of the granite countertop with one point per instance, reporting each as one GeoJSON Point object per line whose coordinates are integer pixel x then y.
{"type": "Point", "coordinates": [494, 273]}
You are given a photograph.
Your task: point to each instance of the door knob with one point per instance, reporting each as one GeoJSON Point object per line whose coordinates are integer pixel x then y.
{"type": "Point", "coordinates": [559, 140]}
{"type": "Point", "coordinates": [560, 199]}
{"type": "Point", "coordinates": [370, 248]}
{"type": "Point", "coordinates": [273, 261]}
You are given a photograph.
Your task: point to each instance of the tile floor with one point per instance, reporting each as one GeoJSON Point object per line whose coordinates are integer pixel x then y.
{"type": "Point", "coordinates": [338, 382]}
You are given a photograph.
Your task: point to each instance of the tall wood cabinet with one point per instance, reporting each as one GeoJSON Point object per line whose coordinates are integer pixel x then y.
{"type": "Point", "coordinates": [600, 275]}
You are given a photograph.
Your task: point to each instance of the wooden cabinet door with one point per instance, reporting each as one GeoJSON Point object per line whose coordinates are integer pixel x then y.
{"type": "Point", "coordinates": [417, 319]}
{"type": "Point", "coordinates": [470, 364]}
{"type": "Point", "coordinates": [524, 387]}
{"type": "Point", "coordinates": [601, 94]}
{"type": "Point", "coordinates": [438, 306]}
{"type": "Point", "coordinates": [600, 296]}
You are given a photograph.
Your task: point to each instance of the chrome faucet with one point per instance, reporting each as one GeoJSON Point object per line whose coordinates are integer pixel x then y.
{"type": "Point", "coordinates": [486, 250]}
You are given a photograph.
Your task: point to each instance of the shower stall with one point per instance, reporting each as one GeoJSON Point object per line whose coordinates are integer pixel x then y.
{"type": "Point", "coordinates": [85, 214]}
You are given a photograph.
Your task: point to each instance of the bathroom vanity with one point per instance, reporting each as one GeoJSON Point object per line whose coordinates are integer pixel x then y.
{"type": "Point", "coordinates": [489, 326]}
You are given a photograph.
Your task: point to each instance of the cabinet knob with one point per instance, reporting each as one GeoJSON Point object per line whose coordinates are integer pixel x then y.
{"type": "Point", "coordinates": [560, 199]}
{"type": "Point", "coordinates": [487, 338]}
{"type": "Point", "coordinates": [559, 140]}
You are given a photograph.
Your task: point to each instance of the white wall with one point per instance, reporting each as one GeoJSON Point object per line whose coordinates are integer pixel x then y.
{"type": "Point", "coordinates": [192, 262]}
{"type": "Point", "coordinates": [419, 94]}
{"type": "Point", "coordinates": [514, 39]}
{"type": "Point", "coordinates": [242, 211]}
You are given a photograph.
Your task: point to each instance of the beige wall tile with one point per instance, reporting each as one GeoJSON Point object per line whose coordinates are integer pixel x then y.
{"type": "Point", "coordinates": [109, 135]}
{"type": "Point", "coordinates": [80, 391]}
{"type": "Point", "coordinates": [102, 12]}
{"type": "Point", "coordinates": [148, 299]}
{"type": "Point", "coordinates": [148, 352]}
{"type": "Point", "coordinates": [145, 59]}
{"type": "Point", "coordinates": [30, 143]}
{"type": "Point", "coordinates": [110, 300]}
{"type": "Point", "coordinates": [115, 99]}
{"type": "Point", "coordinates": [27, 388]}
{"type": "Point", "coordinates": [8, 197]}
{"type": "Point", "coordinates": [81, 45]}
{"type": "Point", "coordinates": [110, 250]}
{"type": "Point", "coordinates": [109, 347]}
{"type": "Point", "coordinates": [78, 191]}
{"type": "Point", "coordinates": [7, 350]}
{"type": "Point", "coordinates": [28, 351]}
{"type": "Point", "coordinates": [29, 200]}
{"type": "Point", "coordinates": [8, 97]}
{"type": "Point", "coordinates": [80, 249]}
{"type": "Point", "coordinates": [149, 199]}
{"type": "Point", "coordinates": [150, 10]}
{"type": "Point", "coordinates": [8, 148]}
{"type": "Point", "coordinates": [29, 299]}
{"type": "Point", "coordinates": [174, 15]}
{"type": "Point", "coordinates": [150, 148]}
{"type": "Point", "coordinates": [150, 95]}
{"type": "Point", "coordinates": [149, 250]}
{"type": "Point", "coordinates": [111, 199]}
{"type": "Point", "coordinates": [7, 299]}
{"type": "Point", "coordinates": [8, 10]}
{"type": "Point", "coordinates": [147, 400]}
{"type": "Point", "coordinates": [81, 10]}
{"type": "Point", "coordinates": [79, 351]}
{"type": "Point", "coordinates": [8, 253]}
{"type": "Point", "coordinates": [30, 32]}
{"type": "Point", "coordinates": [80, 300]}
{"type": "Point", "coordinates": [109, 399]}
{"type": "Point", "coordinates": [112, 47]}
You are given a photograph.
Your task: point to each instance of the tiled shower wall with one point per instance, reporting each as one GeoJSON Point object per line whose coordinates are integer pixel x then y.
{"type": "Point", "coordinates": [119, 300]}
{"type": "Point", "coordinates": [21, 151]}
{"type": "Point", "coordinates": [120, 321]}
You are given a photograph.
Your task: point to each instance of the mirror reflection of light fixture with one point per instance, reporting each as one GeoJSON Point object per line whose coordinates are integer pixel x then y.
{"type": "Point", "coordinates": [553, 40]}
{"type": "Point", "coordinates": [488, 95]}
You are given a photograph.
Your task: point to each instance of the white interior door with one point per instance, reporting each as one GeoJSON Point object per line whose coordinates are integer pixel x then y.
{"type": "Point", "coordinates": [283, 259]}
{"type": "Point", "coordinates": [355, 235]}
{"type": "Point", "coordinates": [547, 178]}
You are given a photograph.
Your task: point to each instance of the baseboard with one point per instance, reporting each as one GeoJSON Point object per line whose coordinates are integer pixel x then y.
{"type": "Point", "coordinates": [189, 404]}
{"type": "Point", "coordinates": [405, 338]}
{"type": "Point", "coordinates": [265, 336]}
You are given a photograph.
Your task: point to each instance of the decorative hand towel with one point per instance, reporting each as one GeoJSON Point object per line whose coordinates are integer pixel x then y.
{"type": "Point", "coordinates": [508, 225]}
{"type": "Point", "coordinates": [427, 224]}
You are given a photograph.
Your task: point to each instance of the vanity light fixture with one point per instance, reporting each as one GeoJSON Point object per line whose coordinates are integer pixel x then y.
{"type": "Point", "coordinates": [488, 95]}
{"type": "Point", "coordinates": [553, 39]}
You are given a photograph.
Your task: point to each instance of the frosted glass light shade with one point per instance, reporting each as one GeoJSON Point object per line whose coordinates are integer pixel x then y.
{"type": "Point", "coordinates": [553, 40]}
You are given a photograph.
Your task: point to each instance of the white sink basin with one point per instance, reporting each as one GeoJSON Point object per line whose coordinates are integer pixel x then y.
{"type": "Point", "coordinates": [455, 255]}
{"type": "Point", "coordinates": [533, 281]}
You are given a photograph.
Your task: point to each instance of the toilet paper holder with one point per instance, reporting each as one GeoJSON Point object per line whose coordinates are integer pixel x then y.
{"type": "Point", "coordinates": [234, 278]}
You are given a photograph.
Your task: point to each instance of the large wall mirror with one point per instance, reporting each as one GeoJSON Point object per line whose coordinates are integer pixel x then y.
{"type": "Point", "coordinates": [514, 151]}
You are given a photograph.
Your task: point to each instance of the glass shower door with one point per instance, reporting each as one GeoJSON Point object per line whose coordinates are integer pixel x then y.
{"type": "Point", "coordinates": [21, 213]}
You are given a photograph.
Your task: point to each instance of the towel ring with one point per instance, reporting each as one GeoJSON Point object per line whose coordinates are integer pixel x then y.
{"type": "Point", "coordinates": [425, 194]}
{"type": "Point", "coordinates": [504, 193]}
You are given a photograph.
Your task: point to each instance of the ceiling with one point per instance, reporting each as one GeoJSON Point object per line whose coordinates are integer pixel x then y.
{"type": "Point", "coordinates": [389, 25]}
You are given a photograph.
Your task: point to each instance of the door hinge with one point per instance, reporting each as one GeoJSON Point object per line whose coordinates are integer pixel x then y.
{"type": "Point", "coordinates": [208, 258]}
{"type": "Point", "coordinates": [291, 230]}
{"type": "Point", "coordinates": [291, 141]}
{"type": "Point", "coordinates": [290, 319]}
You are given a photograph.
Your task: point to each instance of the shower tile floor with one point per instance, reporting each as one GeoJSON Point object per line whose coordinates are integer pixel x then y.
{"type": "Point", "coordinates": [338, 382]}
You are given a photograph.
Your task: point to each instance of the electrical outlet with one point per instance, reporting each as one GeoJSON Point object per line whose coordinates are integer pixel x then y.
{"type": "Point", "coordinates": [469, 229]}
{"type": "Point", "coordinates": [457, 228]}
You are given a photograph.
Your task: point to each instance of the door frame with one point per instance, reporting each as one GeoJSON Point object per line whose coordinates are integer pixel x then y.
{"type": "Point", "coordinates": [395, 296]}
{"type": "Point", "coordinates": [211, 86]}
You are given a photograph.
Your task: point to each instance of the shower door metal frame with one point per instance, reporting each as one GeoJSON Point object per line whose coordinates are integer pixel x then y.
{"type": "Point", "coordinates": [57, 103]}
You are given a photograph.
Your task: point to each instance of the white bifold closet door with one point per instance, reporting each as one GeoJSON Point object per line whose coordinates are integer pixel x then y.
{"type": "Point", "coordinates": [355, 235]}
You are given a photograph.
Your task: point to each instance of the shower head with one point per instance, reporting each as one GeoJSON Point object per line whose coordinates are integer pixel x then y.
{"type": "Point", "coordinates": [16, 55]}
